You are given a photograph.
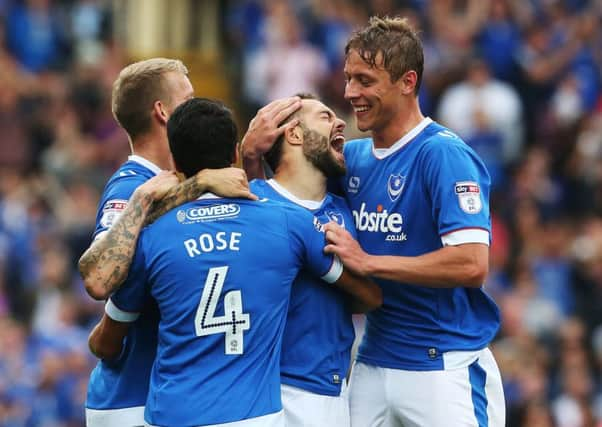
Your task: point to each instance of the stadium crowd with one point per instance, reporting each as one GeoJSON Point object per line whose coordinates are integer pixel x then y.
{"type": "Point", "coordinates": [520, 81]}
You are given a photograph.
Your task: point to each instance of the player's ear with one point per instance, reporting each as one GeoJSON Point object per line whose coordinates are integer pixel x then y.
{"type": "Point", "coordinates": [407, 82]}
{"type": "Point", "coordinates": [294, 135]}
{"type": "Point", "coordinates": [160, 112]}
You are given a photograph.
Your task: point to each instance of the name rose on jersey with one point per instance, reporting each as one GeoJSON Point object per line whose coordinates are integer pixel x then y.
{"type": "Point", "coordinates": [380, 221]}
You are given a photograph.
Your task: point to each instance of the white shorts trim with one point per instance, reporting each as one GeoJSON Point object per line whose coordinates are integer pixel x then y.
{"type": "Point", "coordinates": [270, 420]}
{"type": "Point", "coordinates": [303, 408]}
{"type": "Point", "coordinates": [124, 417]}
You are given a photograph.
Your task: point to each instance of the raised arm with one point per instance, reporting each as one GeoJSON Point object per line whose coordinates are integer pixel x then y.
{"type": "Point", "coordinates": [105, 264]}
{"type": "Point", "coordinates": [263, 131]}
{"type": "Point", "coordinates": [451, 266]}
{"type": "Point", "coordinates": [227, 182]}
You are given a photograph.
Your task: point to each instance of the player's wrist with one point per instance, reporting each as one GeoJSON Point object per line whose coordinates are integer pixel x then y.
{"type": "Point", "coordinates": [143, 198]}
{"type": "Point", "coordinates": [203, 180]}
{"type": "Point", "coordinates": [367, 266]}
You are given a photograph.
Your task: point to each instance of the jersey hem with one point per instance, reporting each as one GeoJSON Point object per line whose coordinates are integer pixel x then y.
{"type": "Point", "coordinates": [310, 388]}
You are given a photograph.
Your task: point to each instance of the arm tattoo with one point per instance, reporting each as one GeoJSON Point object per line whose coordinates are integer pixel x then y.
{"type": "Point", "coordinates": [180, 194]}
{"type": "Point", "coordinates": [108, 260]}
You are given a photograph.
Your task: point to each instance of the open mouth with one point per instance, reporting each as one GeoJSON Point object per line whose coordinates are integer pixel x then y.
{"type": "Point", "coordinates": [337, 142]}
{"type": "Point", "coordinates": [360, 109]}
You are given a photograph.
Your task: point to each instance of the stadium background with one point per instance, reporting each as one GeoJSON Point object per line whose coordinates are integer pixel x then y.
{"type": "Point", "coordinates": [519, 80]}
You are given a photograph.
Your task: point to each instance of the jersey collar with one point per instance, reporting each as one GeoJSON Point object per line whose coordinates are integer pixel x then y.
{"type": "Point", "coordinates": [308, 204]}
{"type": "Point", "coordinates": [209, 196]}
{"type": "Point", "coordinates": [146, 163]}
{"type": "Point", "coordinates": [381, 153]}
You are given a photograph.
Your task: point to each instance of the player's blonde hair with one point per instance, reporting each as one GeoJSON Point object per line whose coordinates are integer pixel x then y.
{"type": "Point", "coordinates": [137, 88]}
{"type": "Point", "coordinates": [398, 43]}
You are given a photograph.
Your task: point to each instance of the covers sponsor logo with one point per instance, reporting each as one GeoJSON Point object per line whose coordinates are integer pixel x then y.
{"type": "Point", "coordinates": [380, 221]}
{"type": "Point", "coordinates": [207, 213]}
{"type": "Point", "coordinates": [469, 196]}
{"type": "Point", "coordinates": [395, 186]}
{"type": "Point", "coordinates": [353, 184]}
{"type": "Point", "coordinates": [111, 212]}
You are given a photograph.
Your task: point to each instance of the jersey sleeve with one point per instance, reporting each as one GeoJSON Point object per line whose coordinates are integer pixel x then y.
{"type": "Point", "coordinates": [114, 201]}
{"type": "Point", "coordinates": [458, 184]}
{"type": "Point", "coordinates": [309, 240]}
{"type": "Point", "coordinates": [125, 304]}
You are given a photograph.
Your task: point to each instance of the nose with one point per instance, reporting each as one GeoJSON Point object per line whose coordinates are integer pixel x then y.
{"type": "Point", "coordinates": [339, 125]}
{"type": "Point", "coordinates": [351, 91]}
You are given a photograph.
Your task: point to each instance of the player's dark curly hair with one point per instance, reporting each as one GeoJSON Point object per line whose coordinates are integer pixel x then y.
{"type": "Point", "coordinates": [202, 135]}
{"type": "Point", "coordinates": [398, 43]}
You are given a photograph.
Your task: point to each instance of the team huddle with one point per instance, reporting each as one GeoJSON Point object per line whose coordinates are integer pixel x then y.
{"type": "Point", "coordinates": [229, 303]}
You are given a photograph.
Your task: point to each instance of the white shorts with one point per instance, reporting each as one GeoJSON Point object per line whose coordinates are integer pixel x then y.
{"type": "Point", "coordinates": [306, 409]}
{"type": "Point", "coordinates": [467, 396]}
{"type": "Point", "coordinates": [271, 420]}
{"type": "Point", "coordinates": [126, 417]}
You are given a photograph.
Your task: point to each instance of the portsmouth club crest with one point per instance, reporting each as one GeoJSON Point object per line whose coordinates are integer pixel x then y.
{"type": "Point", "coordinates": [336, 217]}
{"type": "Point", "coordinates": [395, 186]}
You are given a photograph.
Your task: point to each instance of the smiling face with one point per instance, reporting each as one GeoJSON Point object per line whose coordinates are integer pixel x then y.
{"type": "Point", "coordinates": [376, 100]}
{"type": "Point", "coordinates": [323, 137]}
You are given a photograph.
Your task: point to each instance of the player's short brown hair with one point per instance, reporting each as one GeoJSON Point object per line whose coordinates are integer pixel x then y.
{"type": "Point", "coordinates": [398, 43]}
{"type": "Point", "coordinates": [137, 88]}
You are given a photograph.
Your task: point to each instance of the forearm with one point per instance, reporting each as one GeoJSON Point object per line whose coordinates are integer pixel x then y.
{"type": "Point", "coordinates": [364, 294]}
{"type": "Point", "coordinates": [185, 191]}
{"type": "Point", "coordinates": [101, 347]}
{"type": "Point", "coordinates": [104, 266]}
{"type": "Point", "coordinates": [106, 339]}
{"type": "Point", "coordinates": [252, 164]}
{"type": "Point", "coordinates": [451, 266]}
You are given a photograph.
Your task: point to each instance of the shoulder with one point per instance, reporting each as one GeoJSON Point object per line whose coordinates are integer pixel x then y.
{"type": "Point", "coordinates": [441, 140]}
{"type": "Point", "coordinates": [258, 186]}
{"type": "Point", "coordinates": [357, 146]}
{"type": "Point", "coordinates": [338, 201]}
{"type": "Point", "coordinates": [127, 178]}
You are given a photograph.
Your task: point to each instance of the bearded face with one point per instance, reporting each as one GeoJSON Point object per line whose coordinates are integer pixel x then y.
{"type": "Point", "coordinates": [319, 151]}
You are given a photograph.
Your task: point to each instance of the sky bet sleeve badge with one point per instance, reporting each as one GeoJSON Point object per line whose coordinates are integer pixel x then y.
{"type": "Point", "coordinates": [469, 196]}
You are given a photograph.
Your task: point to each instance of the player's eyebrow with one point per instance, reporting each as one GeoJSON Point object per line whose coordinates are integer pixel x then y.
{"type": "Point", "coordinates": [327, 112]}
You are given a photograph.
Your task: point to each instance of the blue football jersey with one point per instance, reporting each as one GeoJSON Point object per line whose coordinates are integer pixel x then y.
{"type": "Point", "coordinates": [426, 191]}
{"type": "Point", "coordinates": [221, 272]}
{"type": "Point", "coordinates": [318, 335]}
{"type": "Point", "coordinates": [123, 383]}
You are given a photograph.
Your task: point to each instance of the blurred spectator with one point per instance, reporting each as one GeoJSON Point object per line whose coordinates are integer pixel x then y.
{"type": "Point", "coordinates": [286, 64]}
{"type": "Point", "coordinates": [35, 35]}
{"type": "Point", "coordinates": [487, 114]}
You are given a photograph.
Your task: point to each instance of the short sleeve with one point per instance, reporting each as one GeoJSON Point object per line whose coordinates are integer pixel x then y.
{"type": "Point", "coordinates": [114, 201]}
{"type": "Point", "coordinates": [458, 184]}
{"type": "Point", "coordinates": [310, 241]}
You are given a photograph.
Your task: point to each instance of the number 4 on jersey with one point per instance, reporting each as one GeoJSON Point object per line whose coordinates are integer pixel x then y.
{"type": "Point", "coordinates": [233, 323]}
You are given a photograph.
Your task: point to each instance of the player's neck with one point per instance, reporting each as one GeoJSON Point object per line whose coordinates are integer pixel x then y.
{"type": "Point", "coordinates": [153, 148]}
{"type": "Point", "coordinates": [405, 121]}
{"type": "Point", "coordinates": [303, 181]}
